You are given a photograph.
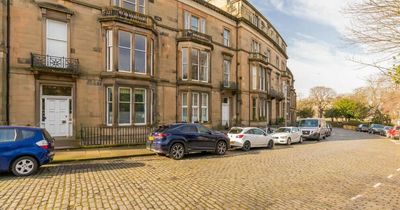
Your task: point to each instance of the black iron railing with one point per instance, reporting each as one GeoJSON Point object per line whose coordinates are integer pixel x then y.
{"type": "Point", "coordinates": [55, 64]}
{"type": "Point", "coordinates": [229, 85]}
{"type": "Point", "coordinates": [126, 15]}
{"type": "Point", "coordinates": [107, 136]}
{"type": "Point", "coordinates": [274, 93]}
{"type": "Point", "coordinates": [191, 34]}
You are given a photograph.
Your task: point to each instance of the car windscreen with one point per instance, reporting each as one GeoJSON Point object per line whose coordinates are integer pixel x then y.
{"type": "Point", "coordinates": [283, 130]}
{"type": "Point", "coordinates": [235, 131]}
{"type": "Point", "coordinates": [308, 123]}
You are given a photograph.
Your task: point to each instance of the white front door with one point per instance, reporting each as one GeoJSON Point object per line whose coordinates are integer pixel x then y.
{"type": "Point", "coordinates": [56, 119]}
{"type": "Point", "coordinates": [225, 112]}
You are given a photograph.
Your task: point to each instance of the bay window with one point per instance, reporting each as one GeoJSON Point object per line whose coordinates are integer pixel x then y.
{"type": "Point", "coordinates": [254, 108]}
{"type": "Point", "coordinates": [140, 54]}
{"type": "Point", "coordinates": [140, 106]}
{"type": "Point", "coordinates": [185, 61]}
{"type": "Point", "coordinates": [262, 79]}
{"type": "Point", "coordinates": [124, 107]}
{"type": "Point", "coordinates": [109, 50]}
{"type": "Point", "coordinates": [254, 77]}
{"type": "Point", "coordinates": [109, 106]}
{"type": "Point", "coordinates": [195, 107]}
{"type": "Point", "coordinates": [204, 62]}
{"type": "Point", "coordinates": [195, 64]}
{"type": "Point", "coordinates": [184, 107]}
{"type": "Point", "coordinates": [204, 107]}
{"type": "Point", "coordinates": [125, 51]}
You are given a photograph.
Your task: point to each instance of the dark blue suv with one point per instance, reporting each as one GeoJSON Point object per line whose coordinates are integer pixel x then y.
{"type": "Point", "coordinates": [176, 140]}
{"type": "Point", "coordinates": [24, 149]}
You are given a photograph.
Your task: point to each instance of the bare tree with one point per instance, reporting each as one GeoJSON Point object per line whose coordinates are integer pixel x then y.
{"type": "Point", "coordinates": [321, 97]}
{"type": "Point", "coordinates": [375, 26]}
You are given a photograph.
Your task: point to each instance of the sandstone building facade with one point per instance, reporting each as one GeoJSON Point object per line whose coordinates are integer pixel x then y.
{"type": "Point", "coordinates": [123, 63]}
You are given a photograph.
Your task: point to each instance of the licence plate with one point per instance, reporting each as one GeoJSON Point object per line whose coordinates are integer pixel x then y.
{"type": "Point", "coordinates": [151, 138]}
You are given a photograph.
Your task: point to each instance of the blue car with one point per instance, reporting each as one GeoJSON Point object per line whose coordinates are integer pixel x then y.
{"type": "Point", "coordinates": [176, 140]}
{"type": "Point", "coordinates": [24, 149]}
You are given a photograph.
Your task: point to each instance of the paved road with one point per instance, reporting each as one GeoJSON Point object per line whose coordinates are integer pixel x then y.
{"type": "Point", "coordinates": [348, 171]}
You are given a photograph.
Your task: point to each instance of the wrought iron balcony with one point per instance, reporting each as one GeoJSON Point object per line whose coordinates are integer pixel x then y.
{"type": "Point", "coordinates": [277, 94]}
{"type": "Point", "coordinates": [226, 85]}
{"type": "Point", "coordinates": [54, 64]}
{"type": "Point", "coordinates": [258, 57]}
{"type": "Point", "coordinates": [126, 16]}
{"type": "Point", "coordinates": [195, 36]}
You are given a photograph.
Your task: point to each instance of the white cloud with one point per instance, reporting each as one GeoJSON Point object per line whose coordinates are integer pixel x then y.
{"type": "Point", "coordinates": [317, 63]}
{"type": "Point", "coordinates": [320, 11]}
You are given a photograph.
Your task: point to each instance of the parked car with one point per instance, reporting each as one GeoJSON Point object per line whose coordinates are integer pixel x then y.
{"type": "Point", "coordinates": [375, 128]}
{"type": "Point", "coordinates": [362, 128]}
{"type": "Point", "coordinates": [24, 149]}
{"type": "Point", "coordinates": [247, 138]}
{"type": "Point", "coordinates": [177, 140]}
{"type": "Point", "coordinates": [329, 129]}
{"type": "Point", "coordinates": [313, 128]}
{"type": "Point", "coordinates": [385, 131]}
{"type": "Point", "coordinates": [287, 135]}
{"type": "Point", "coordinates": [394, 133]}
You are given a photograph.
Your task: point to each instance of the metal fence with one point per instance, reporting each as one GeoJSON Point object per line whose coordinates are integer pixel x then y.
{"type": "Point", "coordinates": [107, 136]}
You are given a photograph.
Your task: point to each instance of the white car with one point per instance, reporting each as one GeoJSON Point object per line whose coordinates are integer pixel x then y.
{"type": "Point", "coordinates": [287, 135]}
{"type": "Point", "coordinates": [247, 138]}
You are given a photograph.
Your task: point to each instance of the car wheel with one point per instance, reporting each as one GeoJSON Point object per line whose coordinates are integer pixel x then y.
{"type": "Point", "coordinates": [221, 148]}
{"type": "Point", "coordinates": [289, 141]}
{"type": "Point", "coordinates": [177, 151]}
{"type": "Point", "coordinates": [319, 137]}
{"type": "Point", "coordinates": [271, 144]}
{"type": "Point", "coordinates": [24, 166]}
{"type": "Point", "coordinates": [301, 140]}
{"type": "Point", "coordinates": [246, 146]}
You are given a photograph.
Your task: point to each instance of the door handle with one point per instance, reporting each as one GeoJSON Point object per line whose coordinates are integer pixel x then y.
{"type": "Point", "coordinates": [64, 121]}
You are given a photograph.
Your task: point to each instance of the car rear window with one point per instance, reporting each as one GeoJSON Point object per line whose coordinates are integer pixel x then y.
{"type": "Point", "coordinates": [235, 131]}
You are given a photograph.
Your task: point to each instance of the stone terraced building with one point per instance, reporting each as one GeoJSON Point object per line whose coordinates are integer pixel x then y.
{"type": "Point", "coordinates": [125, 63]}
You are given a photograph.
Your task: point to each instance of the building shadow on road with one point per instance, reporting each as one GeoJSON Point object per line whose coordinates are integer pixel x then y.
{"type": "Point", "coordinates": [62, 169]}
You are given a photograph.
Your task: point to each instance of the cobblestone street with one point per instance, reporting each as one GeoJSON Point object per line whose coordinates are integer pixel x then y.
{"type": "Point", "coordinates": [348, 171]}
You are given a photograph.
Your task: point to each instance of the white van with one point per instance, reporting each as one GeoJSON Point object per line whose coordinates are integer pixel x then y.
{"type": "Point", "coordinates": [313, 128]}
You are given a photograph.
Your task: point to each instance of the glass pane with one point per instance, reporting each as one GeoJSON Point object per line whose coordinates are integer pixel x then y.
{"type": "Point", "coordinates": [129, 5]}
{"type": "Point", "coordinates": [124, 39]}
{"type": "Point", "coordinates": [124, 95]}
{"type": "Point", "coordinates": [140, 42]}
{"type": "Point", "coordinates": [124, 113]}
{"type": "Point", "coordinates": [139, 96]}
{"type": "Point", "coordinates": [56, 90]}
{"type": "Point", "coordinates": [7, 135]}
{"type": "Point", "coordinates": [195, 64]}
{"type": "Point", "coordinates": [184, 99]}
{"type": "Point", "coordinates": [184, 114]}
{"type": "Point", "coordinates": [195, 23]}
{"type": "Point", "coordinates": [124, 58]}
{"type": "Point", "coordinates": [140, 113]}
{"type": "Point", "coordinates": [140, 62]}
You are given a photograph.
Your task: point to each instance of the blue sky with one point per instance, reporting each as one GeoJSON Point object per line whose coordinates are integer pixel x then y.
{"type": "Point", "coordinates": [314, 31]}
